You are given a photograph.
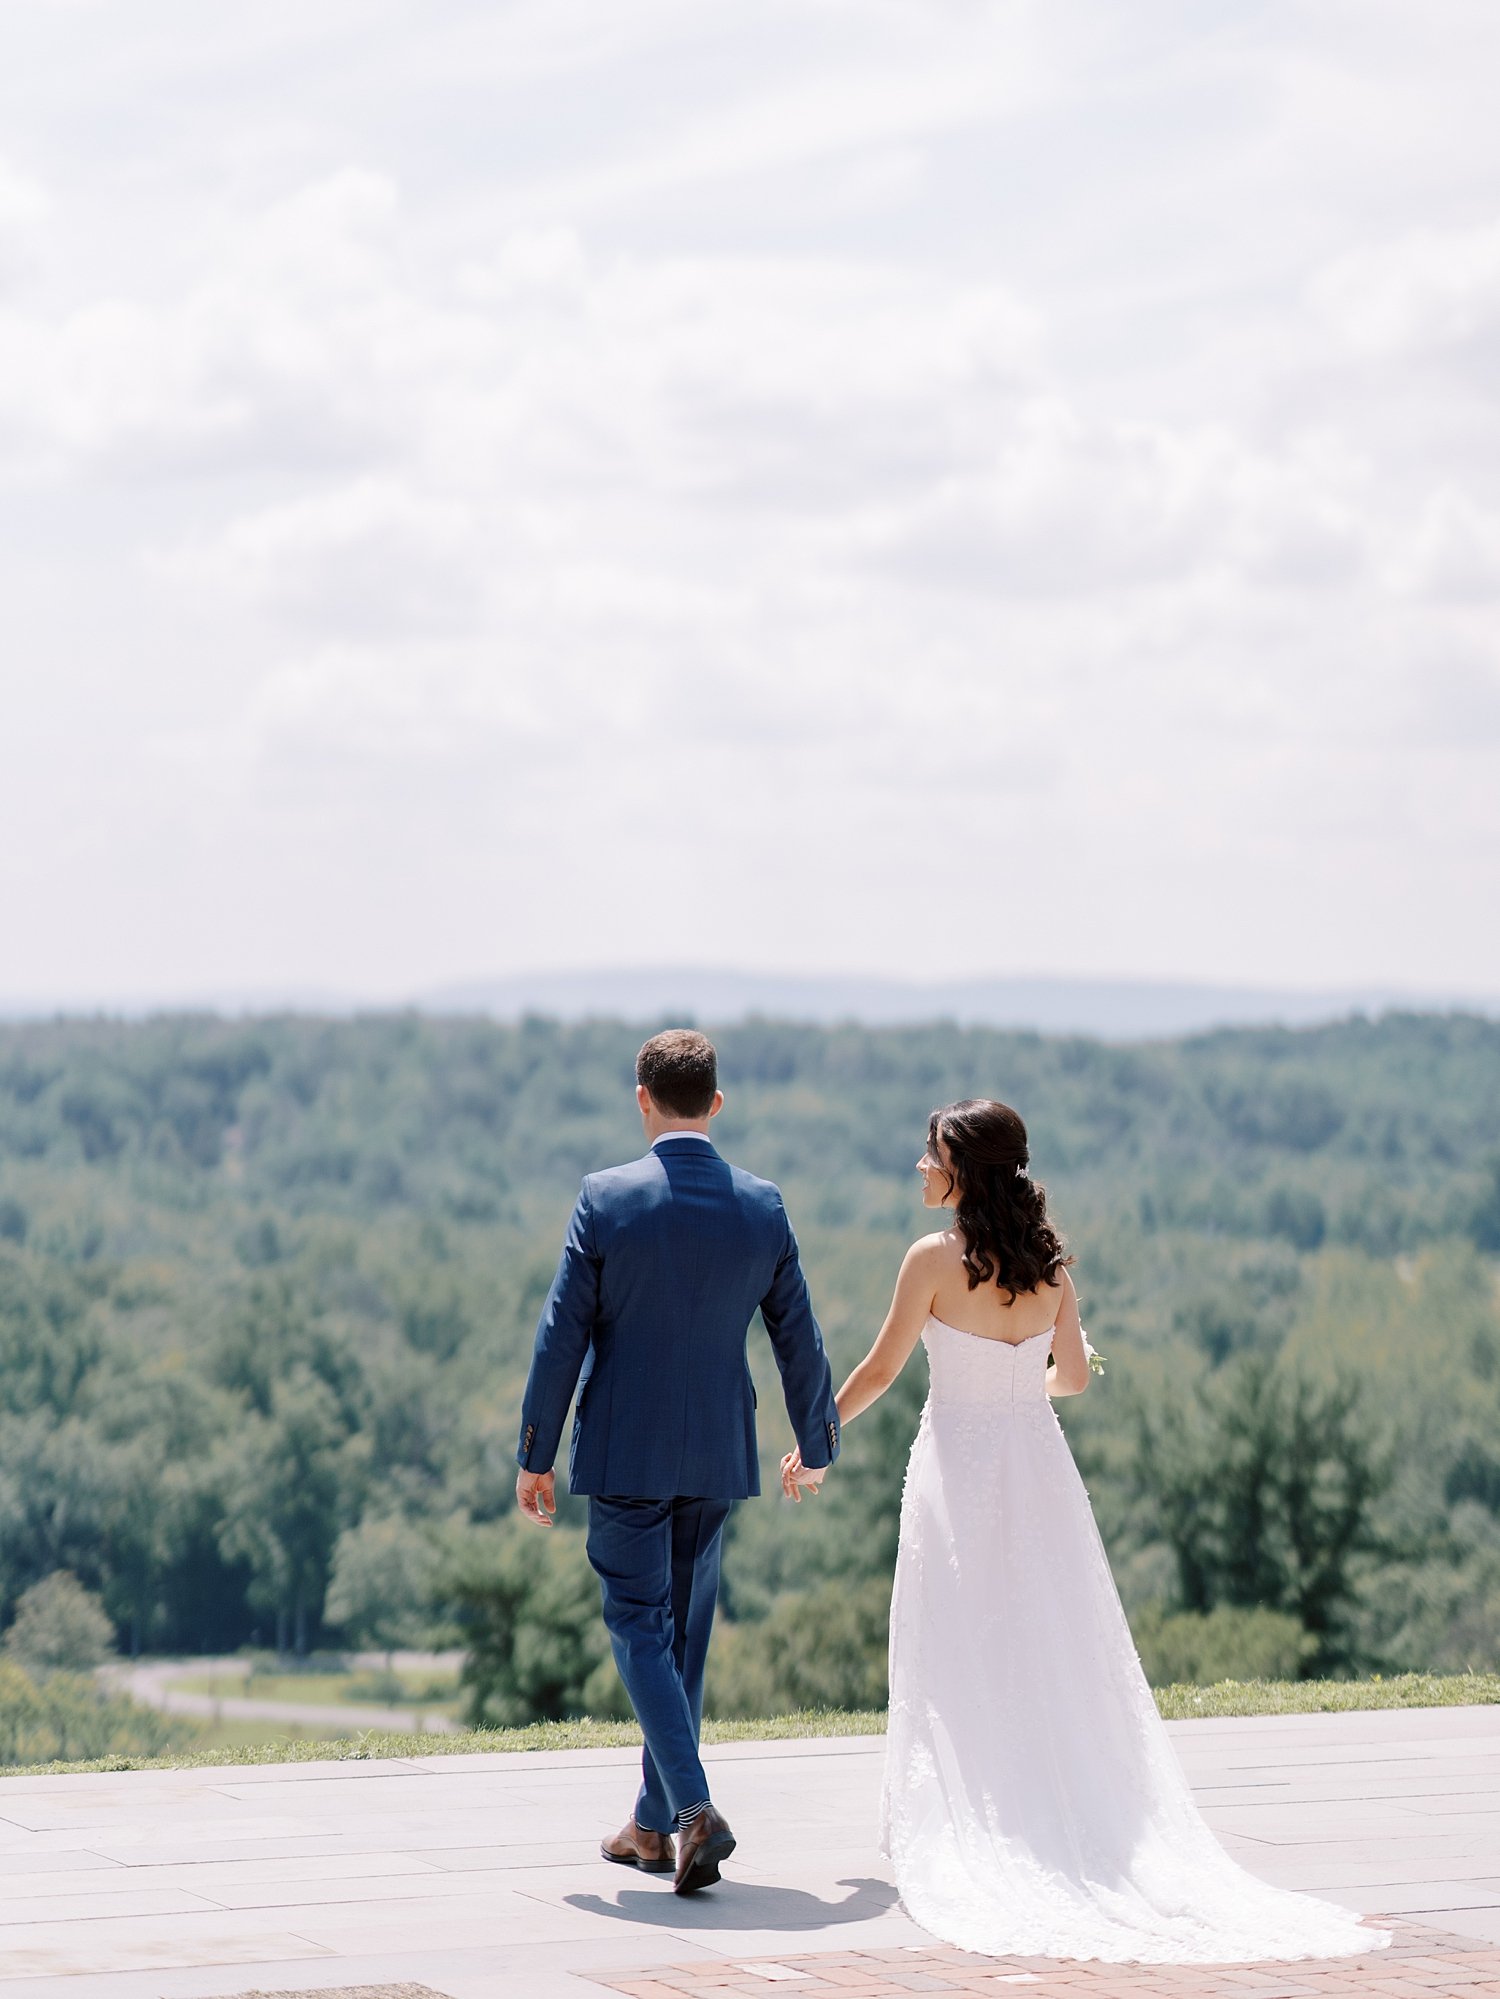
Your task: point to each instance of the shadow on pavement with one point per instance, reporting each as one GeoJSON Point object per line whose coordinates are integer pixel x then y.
{"type": "Point", "coordinates": [741, 1905]}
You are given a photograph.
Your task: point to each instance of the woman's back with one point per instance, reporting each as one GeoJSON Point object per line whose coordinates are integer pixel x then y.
{"type": "Point", "coordinates": [988, 1311]}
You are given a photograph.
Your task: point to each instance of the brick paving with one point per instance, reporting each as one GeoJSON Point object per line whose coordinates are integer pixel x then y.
{"type": "Point", "coordinates": [1420, 1963]}
{"type": "Point", "coordinates": [406, 1990]}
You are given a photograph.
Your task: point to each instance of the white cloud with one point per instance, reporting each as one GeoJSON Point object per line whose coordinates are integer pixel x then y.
{"type": "Point", "coordinates": [286, 352]}
{"type": "Point", "coordinates": [1455, 551]}
{"type": "Point", "coordinates": [23, 212]}
{"type": "Point", "coordinates": [370, 558]}
{"type": "Point", "coordinates": [1431, 291]}
{"type": "Point", "coordinates": [808, 122]}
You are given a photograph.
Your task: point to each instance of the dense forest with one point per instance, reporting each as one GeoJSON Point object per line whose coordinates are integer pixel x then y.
{"type": "Point", "coordinates": [267, 1291]}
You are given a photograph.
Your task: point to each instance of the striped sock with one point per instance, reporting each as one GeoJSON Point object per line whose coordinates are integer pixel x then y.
{"type": "Point", "coordinates": [693, 1812]}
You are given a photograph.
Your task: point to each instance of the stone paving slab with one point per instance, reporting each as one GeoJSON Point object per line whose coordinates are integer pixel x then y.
{"type": "Point", "coordinates": [478, 1877]}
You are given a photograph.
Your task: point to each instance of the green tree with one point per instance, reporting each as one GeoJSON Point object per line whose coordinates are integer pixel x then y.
{"type": "Point", "coordinates": [1297, 1215]}
{"type": "Point", "coordinates": [1262, 1483]}
{"type": "Point", "coordinates": [52, 1501]}
{"type": "Point", "coordinates": [59, 1625]}
{"type": "Point", "coordinates": [528, 1604]}
{"type": "Point", "coordinates": [48, 1343]}
{"type": "Point", "coordinates": [383, 1587]}
{"type": "Point", "coordinates": [292, 1485]}
{"type": "Point", "coordinates": [1484, 1225]}
{"type": "Point", "coordinates": [273, 1330]}
{"type": "Point", "coordinates": [140, 1516]}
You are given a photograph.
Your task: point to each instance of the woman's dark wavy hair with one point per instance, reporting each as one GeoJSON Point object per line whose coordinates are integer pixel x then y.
{"type": "Point", "coordinates": [1002, 1211]}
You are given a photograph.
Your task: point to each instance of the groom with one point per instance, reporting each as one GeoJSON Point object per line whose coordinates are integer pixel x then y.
{"type": "Point", "coordinates": [665, 1263]}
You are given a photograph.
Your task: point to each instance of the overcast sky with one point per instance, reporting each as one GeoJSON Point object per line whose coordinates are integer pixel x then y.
{"type": "Point", "coordinates": [910, 486]}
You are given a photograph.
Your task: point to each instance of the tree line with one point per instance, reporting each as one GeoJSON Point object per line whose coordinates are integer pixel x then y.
{"type": "Point", "coordinates": [267, 1291]}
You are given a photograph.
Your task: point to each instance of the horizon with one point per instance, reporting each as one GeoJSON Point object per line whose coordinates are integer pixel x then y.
{"type": "Point", "coordinates": [1124, 1010]}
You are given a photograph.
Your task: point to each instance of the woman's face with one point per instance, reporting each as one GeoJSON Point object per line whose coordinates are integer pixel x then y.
{"type": "Point", "coordinates": [939, 1188]}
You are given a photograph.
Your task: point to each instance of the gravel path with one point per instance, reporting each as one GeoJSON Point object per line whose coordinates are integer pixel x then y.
{"type": "Point", "coordinates": [148, 1683]}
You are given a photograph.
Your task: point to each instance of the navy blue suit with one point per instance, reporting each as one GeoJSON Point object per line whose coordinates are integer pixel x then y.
{"type": "Point", "coordinates": [665, 1264]}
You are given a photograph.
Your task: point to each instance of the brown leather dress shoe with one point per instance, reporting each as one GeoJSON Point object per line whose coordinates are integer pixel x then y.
{"type": "Point", "coordinates": [635, 1846]}
{"type": "Point", "coordinates": [700, 1848]}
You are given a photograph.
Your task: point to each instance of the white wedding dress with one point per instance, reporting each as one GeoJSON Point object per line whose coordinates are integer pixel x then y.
{"type": "Point", "coordinates": [1033, 1803]}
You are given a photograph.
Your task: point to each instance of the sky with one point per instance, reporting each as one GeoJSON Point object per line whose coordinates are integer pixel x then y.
{"type": "Point", "coordinates": [927, 488]}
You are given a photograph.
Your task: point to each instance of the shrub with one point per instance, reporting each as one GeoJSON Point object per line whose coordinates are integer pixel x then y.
{"type": "Point", "coordinates": [825, 1648]}
{"type": "Point", "coordinates": [538, 1651]}
{"type": "Point", "coordinates": [60, 1625]}
{"type": "Point", "coordinates": [1197, 1648]}
{"type": "Point", "coordinates": [65, 1718]}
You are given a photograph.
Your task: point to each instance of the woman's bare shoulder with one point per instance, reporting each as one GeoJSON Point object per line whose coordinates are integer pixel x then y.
{"type": "Point", "coordinates": [941, 1247]}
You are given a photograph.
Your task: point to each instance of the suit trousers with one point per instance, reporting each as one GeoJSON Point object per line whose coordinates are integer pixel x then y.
{"type": "Point", "coordinates": [657, 1561]}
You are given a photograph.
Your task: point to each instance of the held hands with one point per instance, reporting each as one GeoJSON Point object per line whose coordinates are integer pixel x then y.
{"type": "Point", "coordinates": [536, 1496]}
{"type": "Point", "coordinates": [795, 1476]}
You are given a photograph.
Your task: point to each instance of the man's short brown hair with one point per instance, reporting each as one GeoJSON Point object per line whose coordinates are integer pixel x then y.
{"type": "Point", "coordinates": [681, 1070]}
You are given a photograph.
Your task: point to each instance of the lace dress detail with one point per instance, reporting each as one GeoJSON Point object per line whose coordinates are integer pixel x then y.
{"type": "Point", "coordinates": [1033, 1802]}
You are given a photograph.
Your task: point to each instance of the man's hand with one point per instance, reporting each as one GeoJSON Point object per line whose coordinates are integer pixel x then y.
{"type": "Point", "coordinates": [536, 1496]}
{"type": "Point", "coordinates": [796, 1477]}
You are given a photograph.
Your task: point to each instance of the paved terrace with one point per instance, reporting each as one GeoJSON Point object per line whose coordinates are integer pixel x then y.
{"type": "Point", "coordinates": [476, 1876]}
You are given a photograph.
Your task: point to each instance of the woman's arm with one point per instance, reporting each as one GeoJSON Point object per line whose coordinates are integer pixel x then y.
{"type": "Point", "coordinates": [1069, 1372]}
{"type": "Point", "coordinates": [916, 1287]}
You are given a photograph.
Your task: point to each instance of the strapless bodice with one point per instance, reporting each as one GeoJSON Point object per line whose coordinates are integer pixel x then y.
{"type": "Point", "coordinates": [969, 1372]}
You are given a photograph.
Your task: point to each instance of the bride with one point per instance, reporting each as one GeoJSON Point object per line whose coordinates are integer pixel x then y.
{"type": "Point", "coordinates": [1034, 1805]}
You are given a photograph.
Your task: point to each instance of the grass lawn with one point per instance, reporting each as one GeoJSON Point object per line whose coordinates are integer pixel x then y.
{"type": "Point", "coordinates": [255, 1735]}
{"type": "Point", "coordinates": [1236, 1697]}
{"type": "Point", "coordinates": [1230, 1697]}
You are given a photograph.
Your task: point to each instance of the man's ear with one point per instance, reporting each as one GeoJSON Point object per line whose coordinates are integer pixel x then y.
{"type": "Point", "coordinates": [643, 1099]}
{"type": "Point", "coordinates": [717, 1105]}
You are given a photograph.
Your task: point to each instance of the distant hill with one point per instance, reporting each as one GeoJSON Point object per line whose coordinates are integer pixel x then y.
{"type": "Point", "coordinates": [1110, 1009]}
{"type": "Point", "coordinates": [1103, 1009]}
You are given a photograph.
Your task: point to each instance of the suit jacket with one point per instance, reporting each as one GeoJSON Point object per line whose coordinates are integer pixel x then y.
{"type": "Point", "coordinates": [665, 1264]}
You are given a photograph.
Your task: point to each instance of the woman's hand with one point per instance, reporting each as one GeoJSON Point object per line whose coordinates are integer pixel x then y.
{"type": "Point", "coordinates": [795, 1476]}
